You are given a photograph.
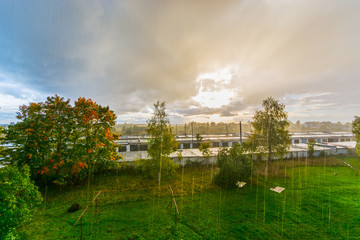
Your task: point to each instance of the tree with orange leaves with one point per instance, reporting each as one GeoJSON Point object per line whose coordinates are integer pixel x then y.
{"type": "Point", "coordinates": [94, 144]}
{"type": "Point", "coordinates": [62, 143]}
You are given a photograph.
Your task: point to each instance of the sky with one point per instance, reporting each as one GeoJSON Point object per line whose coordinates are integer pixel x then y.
{"type": "Point", "coordinates": [208, 60]}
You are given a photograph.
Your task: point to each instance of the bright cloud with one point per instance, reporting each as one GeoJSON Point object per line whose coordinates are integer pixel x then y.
{"type": "Point", "coordinates": [214, 91]}
{"type": "Point", "coordinates": [14, 94]}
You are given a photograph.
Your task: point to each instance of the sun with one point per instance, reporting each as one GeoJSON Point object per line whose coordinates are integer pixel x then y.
{"type": "Point", "coordinates": [214, 99]}
{"type": "Point", "coordinates": [214, 91]}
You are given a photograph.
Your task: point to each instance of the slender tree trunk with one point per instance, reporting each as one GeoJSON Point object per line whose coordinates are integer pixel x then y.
{"type": "Point", "coordinates": [89, 175]}
{"type": "Point", "coordinates": [269, 143]}
{"type": "Point", "coordinates": [269, 149]}
{"type": "Point", "coordinates": [269, 155]}
{"type": "Point", "coordinates": [161, 141]}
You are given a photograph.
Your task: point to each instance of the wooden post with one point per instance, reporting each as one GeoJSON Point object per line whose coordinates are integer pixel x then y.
{"type": "Point", "coordinates": [81, 236]}
{"type": "Point", "coordinates": [82, 214]}
{"type": "Point", "coordinates": [95, 200]}
{"type": "Point", "coordinates": [175, 217]}
{"type": "Point", "coordinates": [176, 208]}
{"type": "Point", "coordinates": [81, 222]}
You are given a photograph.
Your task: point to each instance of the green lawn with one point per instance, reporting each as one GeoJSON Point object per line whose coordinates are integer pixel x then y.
{"type": "Point", "coordinates": [316, 204]}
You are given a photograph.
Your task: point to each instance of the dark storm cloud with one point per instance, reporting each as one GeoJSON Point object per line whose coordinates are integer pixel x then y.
{"type": "Point", "coordinates": [229, 110]}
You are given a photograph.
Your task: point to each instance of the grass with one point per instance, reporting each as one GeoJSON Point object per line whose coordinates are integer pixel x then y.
{"type": "Point", "coordinates": [316, 204]}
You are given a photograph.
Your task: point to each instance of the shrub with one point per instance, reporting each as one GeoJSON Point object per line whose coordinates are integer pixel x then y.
{"type": "Point", "coordinates": [18, 197]}
{"type": "Point", "coordinates": [149, 168]}
{"type": "Point", "coordinates": [234, 166]}
{"type": "Point", "coordinates": [311, 147]}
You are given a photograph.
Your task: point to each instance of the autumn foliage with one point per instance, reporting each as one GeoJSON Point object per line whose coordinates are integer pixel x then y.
{"type": "Point", "coordinates": [62, 143]}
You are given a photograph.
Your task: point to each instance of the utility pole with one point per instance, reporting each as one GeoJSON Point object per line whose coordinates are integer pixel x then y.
{"type": "Point", "coordinates": [185, 130]}
{"type": "Point", "coordinates": [240, 136]}
{"type": "Point", "coordinates": [192, 134]}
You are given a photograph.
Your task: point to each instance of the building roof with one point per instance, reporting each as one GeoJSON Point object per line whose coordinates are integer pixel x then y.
{"type": "Point", "coordinates": [349, 145]}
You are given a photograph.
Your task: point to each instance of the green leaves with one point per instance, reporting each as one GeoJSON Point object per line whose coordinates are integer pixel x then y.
{"type": "Point", "coordinates": [311, 147]}
{"type": "Point", "coordinates": [18, 197]}
{"type": "Point", "coordinates": [205, 149]}
{"type": "Point", "coordinates": [161, 144]}
{"type": "Point", "coordinates": [356, 131]}
{"type": "Point", "coordinates": [270, 128]}
{"type": "Point", "coordinates": [2, 137]}
{"type": "Point", "coordinates": [234, 166]}
{"type": "Point", "coordinates": [60, 142]}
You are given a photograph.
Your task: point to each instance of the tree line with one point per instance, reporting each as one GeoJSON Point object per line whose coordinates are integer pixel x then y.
{"type": "Point", "coordinates": [232, 128]}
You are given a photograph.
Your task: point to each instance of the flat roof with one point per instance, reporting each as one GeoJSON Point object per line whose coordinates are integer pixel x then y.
{"type": "Point", "coordinates": [350, 145]}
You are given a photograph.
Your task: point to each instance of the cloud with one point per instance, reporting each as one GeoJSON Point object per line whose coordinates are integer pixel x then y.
{"type": "Point", "coordinates": [13, 94]}
{"type": "Point", "coordinates": [128, 54]}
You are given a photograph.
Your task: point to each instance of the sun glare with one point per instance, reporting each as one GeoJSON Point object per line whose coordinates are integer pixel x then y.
{"type": "Point", "coordinates": [214, 99]}
{"type": "Point", "coordinates": [218, 94]}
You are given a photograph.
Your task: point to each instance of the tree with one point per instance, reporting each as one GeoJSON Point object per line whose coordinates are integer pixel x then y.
{"type": "Point", "coordinates": [199, 138]}
{"type": "Point", "coordinates": [2, 137]}
{"type": "Point", "coordinates": [93, 142]}
{"type": "Point", "coordinates": [270, 129]}
{"type": "Point", "coordinates": [311, 147]}
{"type": "Point", "coordinates": [234, 166]}
{"type": "Point", "coordinates": [62, 143]}
{"type": "Point", "coordinates": [18, 198]}
{"type": "Point", "coordinates": [356, 131]}
{"type": "Point", "coordinates": [205, 151]}
{"type": "Point", "coordinates": [161, 144]}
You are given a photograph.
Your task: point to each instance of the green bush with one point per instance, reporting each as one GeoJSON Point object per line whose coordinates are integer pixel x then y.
{"type": "Point", "coordinates": [234, 166]}
{"type": "Point", "coordinates": [311, 148]}
{"type": "Point", "coordinates": [18, 197]}
{"type": "Point", "coordinates": [150, 168]}
{"type": "Point", "coordinates": [197, 163]}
